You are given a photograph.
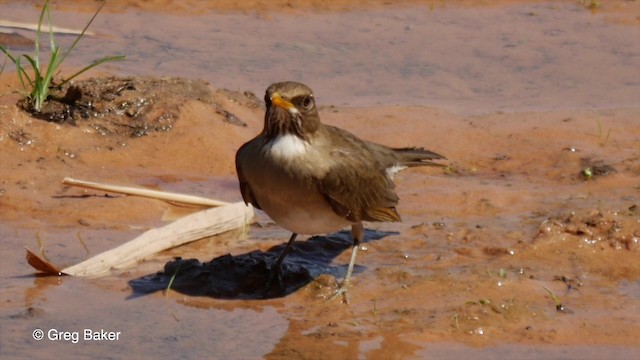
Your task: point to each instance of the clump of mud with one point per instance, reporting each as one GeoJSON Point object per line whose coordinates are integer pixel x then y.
{"type": "Point", "coordinates": [592, 169]}
{"type": "Point", "coordinates": [617, 229]}
{"type": "Point", "coordinates": [127, 106]}
{"type": "Point", "coordinates": [245, 99]}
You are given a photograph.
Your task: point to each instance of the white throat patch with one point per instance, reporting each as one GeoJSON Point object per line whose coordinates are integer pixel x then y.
{"type": "Point", "coordinates": [287, 147]}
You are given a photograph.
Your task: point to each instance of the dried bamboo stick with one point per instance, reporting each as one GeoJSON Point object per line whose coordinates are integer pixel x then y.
{"type": "Point", "coordinates": [160, 195]}
{"type": "Point", "coordinates": [34, 27]}
{"type": "Point", "coordinates": [189, 228]}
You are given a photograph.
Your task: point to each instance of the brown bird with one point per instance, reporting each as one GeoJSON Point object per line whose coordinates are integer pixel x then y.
{"type": "Point", "coordinates": [312, 178]}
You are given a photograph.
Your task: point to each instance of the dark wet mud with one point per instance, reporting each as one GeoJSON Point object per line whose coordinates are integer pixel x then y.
{"type": "Point", "coordinates": [133, 106]}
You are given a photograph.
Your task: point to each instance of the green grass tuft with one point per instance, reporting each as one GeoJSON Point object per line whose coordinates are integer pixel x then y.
{"type": "Point", "coordinates": [604, 139]}
{"type": "Point", "coordinates": [35, 86]}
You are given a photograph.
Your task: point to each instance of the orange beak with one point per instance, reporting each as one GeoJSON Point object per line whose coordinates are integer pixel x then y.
{"type": "Point", "coordinates": [277, 100]}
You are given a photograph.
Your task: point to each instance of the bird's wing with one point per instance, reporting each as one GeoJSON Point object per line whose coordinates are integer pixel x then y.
{"type": "Point", "coordinates": [245, 188]}
{"type": "Point", "coordinates": [357, 185]}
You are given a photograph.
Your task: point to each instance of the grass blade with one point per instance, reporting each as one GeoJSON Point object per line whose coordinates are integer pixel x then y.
{"type": "Point", "coordinates": [43, 92]}
{"type": "Point", "coordinates": [4, 63]}
{"type": "Point", "coordinates": [45, 8]}
{"type": "Point", "coordinates": [64, 56]}
{"type": "Point", "coordinates": [36, 74]}
{"type": "Point", "coordinates": [94, 64]}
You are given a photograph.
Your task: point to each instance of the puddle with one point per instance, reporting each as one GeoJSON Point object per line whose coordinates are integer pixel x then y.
{"type": "Point", "coordinates": [528, 352]}
{"type": "Point", "coordinates": [172, 328]}
{"type": "Point", "coordinates": [469, 60]}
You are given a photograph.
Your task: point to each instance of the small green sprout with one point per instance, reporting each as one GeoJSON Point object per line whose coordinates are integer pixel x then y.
{"type": "Point", "coordinates": [35, 87]}
{"type": "Point", "coordinates": [556, 300]}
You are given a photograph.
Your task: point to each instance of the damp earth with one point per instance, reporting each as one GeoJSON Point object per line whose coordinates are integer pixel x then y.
{"type": "Point", "coordinates": [525, 246]}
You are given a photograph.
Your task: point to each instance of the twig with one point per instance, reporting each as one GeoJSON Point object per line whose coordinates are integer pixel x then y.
{"type": "Point", "coordinates": [34, 27]}
{"type": "Point", "coordinates": [160, 195]}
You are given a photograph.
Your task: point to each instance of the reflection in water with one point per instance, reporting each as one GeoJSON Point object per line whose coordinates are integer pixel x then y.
{"type": "Point", "coordinates": [342, 341]}
{"type": "Point", "coordinates": [35, 294]}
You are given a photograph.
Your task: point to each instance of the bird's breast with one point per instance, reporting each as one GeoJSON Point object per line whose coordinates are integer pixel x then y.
{"type": "Point", "coordinates": [284, 175]}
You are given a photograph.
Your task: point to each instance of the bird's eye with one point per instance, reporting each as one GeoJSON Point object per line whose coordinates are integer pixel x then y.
{"type": "Point", "coordinates": [307, 102]}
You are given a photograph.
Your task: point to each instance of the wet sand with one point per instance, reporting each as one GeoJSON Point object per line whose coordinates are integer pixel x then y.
{"type": "Point", "coordinates": [470, 271]}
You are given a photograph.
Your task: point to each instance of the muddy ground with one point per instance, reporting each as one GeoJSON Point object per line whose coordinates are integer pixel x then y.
{"type": "Point", "coordinates": [526, 246]}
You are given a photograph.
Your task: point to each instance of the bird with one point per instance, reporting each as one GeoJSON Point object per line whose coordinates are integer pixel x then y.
{"type": "Point", "coordinates": [311, 178]}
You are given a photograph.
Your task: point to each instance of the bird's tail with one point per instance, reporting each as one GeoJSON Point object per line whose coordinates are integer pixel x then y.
{"type": "Point", "coordinates": [413, 156]}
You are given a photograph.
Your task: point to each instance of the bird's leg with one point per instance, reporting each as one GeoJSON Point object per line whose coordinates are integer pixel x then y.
{"type": "Point", "coordinates": [276, 269]}
{"type": "Point", "coordinates": [357, 234]}
{"type": "Point", "coordinates": [285, 251]}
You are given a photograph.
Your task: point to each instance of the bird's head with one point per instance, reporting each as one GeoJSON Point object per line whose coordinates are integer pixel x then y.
{"type": "Point", "coordinates": [291, 110]}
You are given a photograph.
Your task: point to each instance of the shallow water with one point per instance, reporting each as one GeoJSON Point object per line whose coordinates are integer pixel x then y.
{"type": "Point", "coordinates": [469, 60]}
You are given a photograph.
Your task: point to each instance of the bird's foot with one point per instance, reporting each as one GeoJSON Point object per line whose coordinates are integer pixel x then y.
{"type": "Point", "coordinates": [274, 279]}
{"type": "Point", "coordinates": [342, 290]}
